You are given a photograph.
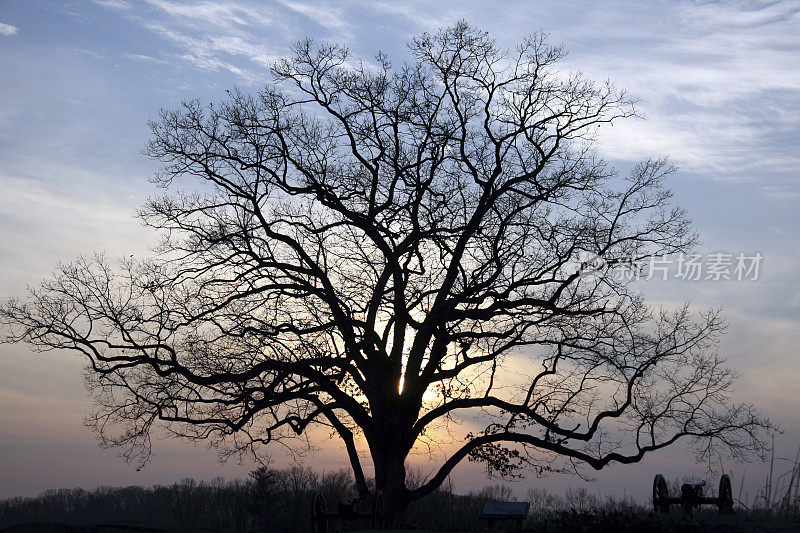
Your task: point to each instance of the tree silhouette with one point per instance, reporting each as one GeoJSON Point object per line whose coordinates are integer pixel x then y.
{"type": "Point", "coordinates": [381, 252]}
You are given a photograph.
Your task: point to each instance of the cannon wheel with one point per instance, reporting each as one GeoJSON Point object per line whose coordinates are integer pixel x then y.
{"type": "Point", "coordinates": [660, 495]}
{"type": "Point", "coordinates": [319, 511]}
{"type": "Point", "coordinates": [378, 511]}
{"type": "Point", "coordinates": [725, 495]}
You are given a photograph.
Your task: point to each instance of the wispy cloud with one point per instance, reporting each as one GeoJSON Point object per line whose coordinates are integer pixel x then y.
{"type": "Point", "coordinates": [71, 219]}
{"type": "Point", "coordinates": [327, 15]}
{"type": "Point", "coordinates": [781, 192]}
{"type": "Point", "coordinates": [231, 36]}
{"type": "Point", "coordinates": [149, 59]}
{"type": "Point", "coordinates": [213, 16]}
{"type": "Point", "coordinates": [429, 17]}
{"type": "Point", "coordinates": [718, 84]}
{"type": "Point", "coordinates": [114, 4]}
{"type": "Point", "coordinates": [218, 52]}
{"type": "Point", "coordinates": [7, 29]}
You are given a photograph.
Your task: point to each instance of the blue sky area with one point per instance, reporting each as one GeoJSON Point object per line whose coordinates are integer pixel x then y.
{"type": "Point", "coordinates": [718, 85]}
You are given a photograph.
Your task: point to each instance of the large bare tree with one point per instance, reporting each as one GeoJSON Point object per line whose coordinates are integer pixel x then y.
{"type": "Point", "coordinates": [382, 251]}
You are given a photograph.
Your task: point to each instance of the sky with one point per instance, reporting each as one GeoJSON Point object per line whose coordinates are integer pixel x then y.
{"type": "Point", "coordinates": [717, 86]}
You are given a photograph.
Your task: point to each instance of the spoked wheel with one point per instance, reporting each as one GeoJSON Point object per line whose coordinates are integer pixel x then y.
{"type": "Point", "coordinates": [319, 512]}
{"type": "Point", "coordinates": [378, 511]}
{"type": "Point", "coordinates": [660, 495]}
{"type": "Point", "coordinates": [725, 495]}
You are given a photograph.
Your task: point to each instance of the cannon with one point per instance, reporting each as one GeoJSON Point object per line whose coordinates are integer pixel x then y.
{"type": "Point", "coordinates": [371, 509]}
{"type": "Point", "coordinates": [692, 496]}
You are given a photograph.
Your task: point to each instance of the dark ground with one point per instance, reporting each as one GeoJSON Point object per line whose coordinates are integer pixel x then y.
{"type": "Point", "coordinates": [703, 522]}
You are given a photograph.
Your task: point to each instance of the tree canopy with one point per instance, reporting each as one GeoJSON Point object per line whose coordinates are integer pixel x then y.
{"type": "Point", "coordinates": [376, 250]}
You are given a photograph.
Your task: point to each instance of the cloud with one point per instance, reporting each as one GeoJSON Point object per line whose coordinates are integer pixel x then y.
{"type": "Point", "coordinates": [213, 16]}
{"type": "Point", "coordinates": [8, 30]}
{"type": "Point", "coordinates": [781, 192]}
{"type": "Point", "coordinates": [149, 59]}
{"type": "Point", "coordinates": [212, 36]}
{"type": "Point", "coordinates": [119, 5]}
{"type": "Point", "coordinates": [422, 17]}
{"type": "Point", "coordinates": [717, 82]}
{"type": "Point", "coordinates": [325, 15]}
{"type": "Point", "coordinates": [215, 52]}
{"type": "Point", "coordinates": [72, 219]}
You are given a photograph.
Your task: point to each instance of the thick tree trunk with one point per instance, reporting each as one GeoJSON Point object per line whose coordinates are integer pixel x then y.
{"type": "Point", "coordinates": [390, 478]}
{"type": "Point", "coordinates": [390, 442]}
{"type": "Point", "coordinates": [389, 450]}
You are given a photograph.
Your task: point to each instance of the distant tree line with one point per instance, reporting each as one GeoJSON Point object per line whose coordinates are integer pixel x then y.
{"type": "Point", "coordinates": [218, 504]}
{"type": "Point", "coordinates": [278, 500]}
{"type": "Point", "coordinates": [277, 497]}
{"type": "Point", "coordinates": [275, 500]}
